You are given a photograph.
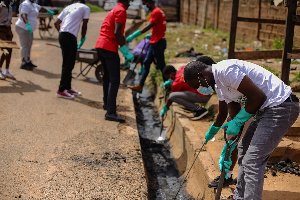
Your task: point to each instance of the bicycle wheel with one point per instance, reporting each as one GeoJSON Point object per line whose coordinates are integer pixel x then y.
{"type": "Point", "coordinates": [99, 72]}
{"type": "Point", "coordinates": [51, 27]}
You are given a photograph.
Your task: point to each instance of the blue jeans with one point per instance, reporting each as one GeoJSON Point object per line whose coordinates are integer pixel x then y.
{"type": "Point", "coordinates": [261, 138]}
{"type": "Point", "coordinates": [155, 52]}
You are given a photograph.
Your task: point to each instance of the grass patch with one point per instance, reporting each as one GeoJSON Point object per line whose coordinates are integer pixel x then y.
{"type": "Point", "coordinates": [296, 78]}
{"type": "Point", "coordinates": [95, 8]}
{"type": "Point", "coordinates": [275, 72]}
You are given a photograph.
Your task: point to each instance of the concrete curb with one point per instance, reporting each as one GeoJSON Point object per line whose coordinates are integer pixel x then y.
{"type": "Point", "coordinates": [185, 145]}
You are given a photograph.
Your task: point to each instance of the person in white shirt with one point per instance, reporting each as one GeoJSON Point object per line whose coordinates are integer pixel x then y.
{"type": "Point", "coordinates": [25, 26]}
{"type": "Point", "coordinates": [68, 24]}
{"type": "Point", "coordinates": [271, 102]}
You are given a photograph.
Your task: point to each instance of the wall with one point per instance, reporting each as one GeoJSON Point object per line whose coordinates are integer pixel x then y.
{"type": "Point", "coordinates": [191, 13]}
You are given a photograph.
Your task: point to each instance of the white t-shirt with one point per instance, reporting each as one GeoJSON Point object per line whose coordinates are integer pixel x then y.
{"type": "Point", "coordinates": [72, 17]}
{"type": "Point", "coordinates": [228, 75]}
{"type": "Point", "coordinates": [32, 11]}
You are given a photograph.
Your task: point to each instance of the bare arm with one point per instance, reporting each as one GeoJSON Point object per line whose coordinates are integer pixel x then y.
{"type": "Point", "coordinates": [84, 27]}
{"type": "Point", "coordinates": [148, 27]}
{"type": "Point", "coordinates": [57, 24]}
{"type": "Point", "coordinates": [255, 96]}
{"type": "Point", "coordinates": [118, 33]}
{"type": "Point", "coordinates": [43, 10]}
{"type": "Point", "coordinates": [24, 17]}
{"type": "Point", "coordinates": [222, 115]}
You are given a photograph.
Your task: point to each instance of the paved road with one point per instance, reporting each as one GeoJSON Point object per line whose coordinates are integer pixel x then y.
{"type": "Point", "coordinates": [53, 148]}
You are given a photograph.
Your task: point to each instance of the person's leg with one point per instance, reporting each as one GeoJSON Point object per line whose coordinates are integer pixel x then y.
{"type": "Point", "coordinates": [25, 43]}
{"type": "Point", "coordinates": [188, 99]}
{"type": "Point", "coordinates": [68, 44]}
{"type": "Point", "coordinates": [3, 56]}
{"type": "Point", "coordinates": [147, 63]}
{"type": "Point", "coordinates": [272, 124]}
{"type": "Point", "coordinates": [9, 37]}
{"type": "Point", "coordinates": [159, 53]}
{"type": "Point", "coordinates": [105, 79]}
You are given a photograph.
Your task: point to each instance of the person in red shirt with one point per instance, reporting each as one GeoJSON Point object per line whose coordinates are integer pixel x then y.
{"type": "Point", "coordinates": [110, 38]}
{"type": "Point", "coordinates": [158, 42]}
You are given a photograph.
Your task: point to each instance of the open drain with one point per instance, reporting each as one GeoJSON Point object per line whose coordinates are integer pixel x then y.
{"type": "Point", "coordinates": [160, 168]}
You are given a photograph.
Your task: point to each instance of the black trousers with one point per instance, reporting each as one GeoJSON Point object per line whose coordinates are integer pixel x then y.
{"type": "Point", "coordinates": [68, 44]}
{"type": "Point", "coordinates": [111, 78]}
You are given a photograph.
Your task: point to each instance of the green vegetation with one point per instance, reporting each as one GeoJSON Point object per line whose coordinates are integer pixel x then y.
{"type": "Point", "coordinates": [275, 72]}
{"type": "Point", "coordinates": [95, 8]}
{"type": "Point", "coordinates": [278, 43]}
{"type": "Point", "coordinates": [296, 78]}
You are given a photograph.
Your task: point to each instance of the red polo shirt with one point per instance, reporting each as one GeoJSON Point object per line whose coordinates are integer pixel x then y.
{"type": "Point", "coordinates": [107, 39]}
{"type": "Point", "coordinates": [158, 30]}
{"type": "Point", "coordinates": [179, 84]}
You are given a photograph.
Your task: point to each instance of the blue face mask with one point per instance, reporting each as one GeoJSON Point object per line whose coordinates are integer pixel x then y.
{"type": "Point", "coordinates": [145, 8]}
{"type": "Point", "coordinates": [11, 3]}
{"type": "Point", "coordinates": [205, 90]}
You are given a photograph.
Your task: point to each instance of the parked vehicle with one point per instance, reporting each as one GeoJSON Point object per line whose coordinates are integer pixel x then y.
{"type": "Point", "coordinates": [110, 4]}
{"type": "Point", "coordinates": [134, 10]}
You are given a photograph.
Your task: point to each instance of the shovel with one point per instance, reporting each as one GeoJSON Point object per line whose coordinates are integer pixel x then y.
{"type": "Point", "coordinates": [129, 78]}
{"type": "Point", "coordinates": [163, 132]}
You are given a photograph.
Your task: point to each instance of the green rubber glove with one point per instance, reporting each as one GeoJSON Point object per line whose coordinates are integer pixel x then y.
{"type": "Point", "coordinates": [148, 36]}
{"type": "Point", "coordinates": [141, 70]}
{"type": "Point", "coordinates": [126, 64]}
{"type": "Point", "coordinates": [167, 84]}
{"type": "Point", "coordinates": [212, 131]}
{"type": "Point", "coordinates": [28, 27]}
{"type": "Point", "coordinates": [234, 126]}
{"type": "Point", "coordinates": [50, 12]}
{"type": "Point", "coordinates": [133, 35]}
{"type": "Point", "coordinates": [164, 110]}
{"type": "Point", "coordinates": [81, 42]}
{"type": "Point", "coordinates": [124, 50]}
{"type": "Point", "coordinates": [228, 163]}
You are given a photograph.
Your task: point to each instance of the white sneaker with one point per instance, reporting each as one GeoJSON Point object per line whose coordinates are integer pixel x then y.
{"type": "Point", "coordinates": [2, 77]}
{"type": "Point", "coordinates": [9, 75]}
{"type": "Point", "coordinates": [64, 94]}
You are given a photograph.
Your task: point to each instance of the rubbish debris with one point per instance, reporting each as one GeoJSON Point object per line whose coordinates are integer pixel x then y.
{"type": "Point", "coordinates": [189, 53]}
{"type": "Point", "coordinates": [286, 166]}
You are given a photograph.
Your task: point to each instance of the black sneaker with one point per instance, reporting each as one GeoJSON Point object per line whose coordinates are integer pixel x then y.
{"type": "Point", "coordinates": [215, 182]}
{"type": "Point", "coordinates": [199, 114]}
{"type": "Point", "coordinates": [26, 66]}
{"type": "Point", "coordinates": [184, 109]}
{"type": "Point", "coordinates": [32, 65]}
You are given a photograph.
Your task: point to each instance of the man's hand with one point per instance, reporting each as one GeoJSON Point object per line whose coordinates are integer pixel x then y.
{"type": "Point", "coordinates": [167, 84]}
{"type": "Point", "coordinates": [213, 130]}
{"type": "Point", "coordinates": [124, 50]}
{"type": "Point", "coordinates": [228, 163]}
{"type": "Point", "coordinates": [148, 36]}
{"type": "Point", "coordinates": [133, 35]}
{"type": "Point", "coordinates": [234, 126]}
{"type": "Point", "coordinates": [81, 42]}
{"type": "Point", "coordinates": [28, 27]}
{"type": "Point", "coordinates": [164, 110]}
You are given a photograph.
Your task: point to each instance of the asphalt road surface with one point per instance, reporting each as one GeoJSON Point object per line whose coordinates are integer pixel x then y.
{"type": "Point", "coordinates": [52, 148]}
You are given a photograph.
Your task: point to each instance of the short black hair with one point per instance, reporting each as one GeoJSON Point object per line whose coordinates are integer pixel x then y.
{"type": "Point", "coordinates": [206, 60]}
{"type": "Point", "coordinates": [80, 1]}
{"type": "Point", "coordinates": [168, 70]}
{"type": "Point", "coordinates": [149, 0]}
{"type": "Point", "coordinates": [192, 69]}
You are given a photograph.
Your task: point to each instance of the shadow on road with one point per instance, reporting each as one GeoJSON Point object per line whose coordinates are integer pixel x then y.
{"type": "Point", "coordinates": [22, 87]}
{"type": "Point", "coordinates": [46, 74]}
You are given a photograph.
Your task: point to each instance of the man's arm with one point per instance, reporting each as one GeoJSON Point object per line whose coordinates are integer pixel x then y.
{"type": "Point", "coordinates": [255, 96]}
{"type": "Point", "coordinates": [57, 24]}
{"type": "Point", "coordinates": [24, 17]}
{"type": "Point", "coordinates": [118, 33]}
{"type": "Point", "coordinates": [222, 114]}
{"type": "Point", "coordinates": [84, 27]}
{"type": "Point", "coordinates": [148, 27]}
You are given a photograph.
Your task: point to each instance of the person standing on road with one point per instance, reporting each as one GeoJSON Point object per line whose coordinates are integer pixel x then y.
{"type": "Point", "coordinates": [158, 42]}
{"type": "Point", "coordinates": [6, 34]}
{"type": "Point", "coordinates": [25, 25]}
{"type": "Point", "coordinates": [68, 24]}
{"type": "Point", "coordinates": [271, 102]}
{"type": "Point", "coordinates": [110, 39]}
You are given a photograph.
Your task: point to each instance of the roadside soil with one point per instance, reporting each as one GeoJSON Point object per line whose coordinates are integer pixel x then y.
{"type": "Point", "coordinates": [52, 148]}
